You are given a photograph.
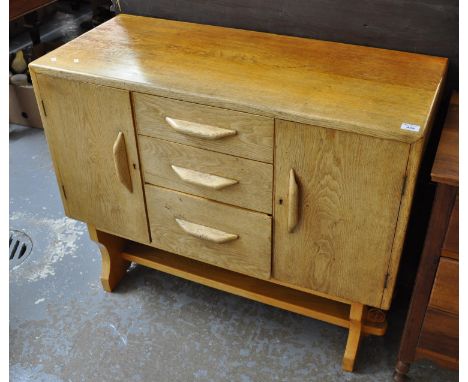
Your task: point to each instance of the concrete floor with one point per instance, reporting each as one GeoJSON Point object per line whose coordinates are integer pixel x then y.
{"type": "Point", "coordinates": [155, 327]}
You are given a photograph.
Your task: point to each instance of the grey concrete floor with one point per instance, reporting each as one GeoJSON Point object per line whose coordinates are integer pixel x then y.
{"type": "Point", "coordinates": [155, 327]}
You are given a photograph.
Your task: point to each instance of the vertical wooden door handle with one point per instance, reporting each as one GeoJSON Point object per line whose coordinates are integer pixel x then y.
{"type": "Point", "coordinates": [121, 162]}
{"type": "Point", "coordinates": [293, 202]}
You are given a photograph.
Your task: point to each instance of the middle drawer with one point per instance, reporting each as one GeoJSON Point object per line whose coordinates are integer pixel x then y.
{"type": "Point", "coordinates": [224, 178]}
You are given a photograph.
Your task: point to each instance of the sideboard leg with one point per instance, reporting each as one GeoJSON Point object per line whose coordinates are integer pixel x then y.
{"type": "Point", "coordinates": [113, 266]}
{"type": "Point", "coordinates": [354, 336]}
{"type": "Point", "coordinates": [401, 370]}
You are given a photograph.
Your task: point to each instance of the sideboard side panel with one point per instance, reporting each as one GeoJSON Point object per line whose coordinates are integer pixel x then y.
{"type": "Point", "coordinates": [412, 172]}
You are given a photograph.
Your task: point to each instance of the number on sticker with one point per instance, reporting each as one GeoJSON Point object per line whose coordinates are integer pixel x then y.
{"type": "Point", "coordinates": [410, 127]}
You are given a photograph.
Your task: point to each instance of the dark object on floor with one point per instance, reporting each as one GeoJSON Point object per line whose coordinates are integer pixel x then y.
{"type": "Point", "coordinates": [431, 329]}
{"type": "Point", "coordinates": [23, 106]}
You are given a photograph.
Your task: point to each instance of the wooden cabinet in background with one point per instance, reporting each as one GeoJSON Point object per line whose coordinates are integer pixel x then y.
{"type": "Point", "coordinates": [431, 329]}
{"type": "Point", "coordinates": [276, 168]}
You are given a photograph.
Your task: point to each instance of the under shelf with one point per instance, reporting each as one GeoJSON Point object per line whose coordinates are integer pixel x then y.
{"type": "Point", "coordinates": [306, 304]}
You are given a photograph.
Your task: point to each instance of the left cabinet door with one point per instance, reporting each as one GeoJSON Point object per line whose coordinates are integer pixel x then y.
{"type": "Point", "coordinates": [89, 130]}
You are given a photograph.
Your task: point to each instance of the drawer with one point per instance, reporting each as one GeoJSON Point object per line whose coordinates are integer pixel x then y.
{"type": "Point", "coordinates": [450, 248]}
{"type": "Point", "coordinates": [439, 333]}
{"type": "Point", "coordinates": [241, 182]}
{"type": "Point", "coordinates": [240, 134]}
{"type": "Point", "coordinates": [444, 294]}
{"type": "Point", "coordinates": [215, 233]}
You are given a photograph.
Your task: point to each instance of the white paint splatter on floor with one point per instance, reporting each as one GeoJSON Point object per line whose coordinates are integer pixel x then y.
{"type": "Point", "coordinates": [61, 235]}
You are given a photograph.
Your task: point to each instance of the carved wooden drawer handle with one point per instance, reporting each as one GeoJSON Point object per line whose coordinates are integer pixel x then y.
{"type": "Point", "coordinates": [202, 179]}
{"type": "Point", "coordinates": [293, 202]}
{"type": "Point", "coordinates": [199, 130]}
{"type": "Point", "coordinates": [206, 233]}
{"type": "Point", "coordinates": [121, 162]}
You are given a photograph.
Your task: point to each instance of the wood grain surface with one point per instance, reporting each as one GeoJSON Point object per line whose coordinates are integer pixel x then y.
{"type": "Point", "coordinates": [253, 136]}
{"type": "Point", "coordinates": [300, 302]}
{"type": "Point", "coordinates": [291, 78]}
{"type": "Point", "coordinates": [121, 162]}
{"type": "Point", "coordinates": [440, 215]}
{"type": "Point", "coordinates": [356, 317]}
{"type": "Point", "coordinates": [444, 294]}
{"type": "Point", "coordinates": [249, 254]}
{"type": "Point", "coordinates": [253, 189]}
{"type": "Point", "coordinates": [431, 328]}
{"type": "Point", "coordinates": [451, 242]}
{"type": "Point", "coordinates": [445, 169]}
{"type": "Point", "coordinates": [415, 161]}
{"type": "Point", "coordinates": [82, 122]}
{"type": "Point", "coordinates": [350, 188]}
{"type": "Point", "coordinates": [114, 267]}
{"type": "Point", "coordinates": [423, 26]}
{"type": "Point", "coordinates": [440, 333]}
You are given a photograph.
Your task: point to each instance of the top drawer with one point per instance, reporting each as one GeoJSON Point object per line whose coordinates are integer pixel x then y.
{"type": "Point", "coordinates": [226, 131]}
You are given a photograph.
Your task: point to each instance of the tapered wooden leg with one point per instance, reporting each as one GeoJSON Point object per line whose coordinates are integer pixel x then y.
{"type": "Point", "coordinates": [401, 370]}
{"type": "Point", "coordinates": [354, 336]}
{"type": "Point", "coordinates": [113, 266]}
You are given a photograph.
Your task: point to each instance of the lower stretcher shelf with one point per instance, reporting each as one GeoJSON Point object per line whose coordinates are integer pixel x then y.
{"type": "Point", "coordinates": [117, 253]}
{"type": "Point", "coordinates": [279, 296]}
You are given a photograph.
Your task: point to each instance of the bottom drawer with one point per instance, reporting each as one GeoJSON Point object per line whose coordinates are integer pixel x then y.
{"type": "Point", "coordinates": [439, 333]}
{"type": "Point", "coordinates": [444, 294]}
{"type": "Point", "coordinates": [215, 233]}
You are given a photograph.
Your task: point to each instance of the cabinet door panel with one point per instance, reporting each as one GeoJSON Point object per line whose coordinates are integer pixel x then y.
{"type": "Point", "coordinates": [348, 195]}
{"type": "Point", "coordinates": [82, 123]}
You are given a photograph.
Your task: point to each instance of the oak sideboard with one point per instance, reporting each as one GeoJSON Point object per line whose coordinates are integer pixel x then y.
{"type": "Point", "coordinates": [277, 168]}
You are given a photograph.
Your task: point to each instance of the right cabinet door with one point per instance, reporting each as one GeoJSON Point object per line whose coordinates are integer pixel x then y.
{"type": "Point", "coordinates": [337, 198]}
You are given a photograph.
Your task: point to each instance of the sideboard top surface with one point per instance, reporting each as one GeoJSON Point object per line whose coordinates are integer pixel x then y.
{"type": "Point", "coordinates": [347, 87]}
